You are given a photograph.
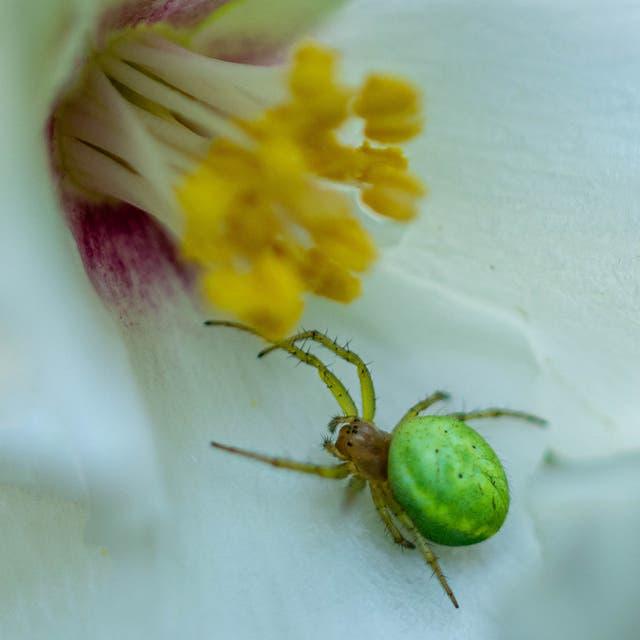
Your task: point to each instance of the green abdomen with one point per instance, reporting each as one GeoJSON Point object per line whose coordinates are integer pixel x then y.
{"type": "Point", "coordinates": [448, 479]}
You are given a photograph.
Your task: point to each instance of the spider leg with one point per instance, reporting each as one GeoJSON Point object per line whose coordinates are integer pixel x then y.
{"type": "Point", "coordinates": [421, 543]}
{"type": "Point", "coordinates": [383, 512]}
{"type": "Point", "coordinates": [431, 560]}
{"type": "Point", "coordinates": [334, 423]}
{"type": "Point", "coordinates": [498, 413]}
{"type": "Point", "coordinates": [419, 407]}
{"type": "Point", "coordinates": [337, 389]}
{"type": "Point", "coordinates": [355, 485]}
{"type": "Point", "coordinates": [331, 448]}
{"type": "Point", "coordinates": [367, 390]}
{"type": "Point", "coordinates": [336, 472]}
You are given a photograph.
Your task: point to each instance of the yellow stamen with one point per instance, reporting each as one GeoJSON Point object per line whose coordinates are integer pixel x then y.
{"type": "Point", "coordinates": [266, 296]}
{"type": "Point", "coordinates": [263, 219]}
{"type": "Point", "coordinates": [391, 109]}
{"type": "Point", "coordinates": [393, 193]}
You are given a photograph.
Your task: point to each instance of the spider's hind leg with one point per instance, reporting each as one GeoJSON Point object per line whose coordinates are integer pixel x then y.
{"type": "Point", "coordinates": [495, 412]}
{"type": "Point", "coordinates": [354, 487]}
{"type": "Point", "coordinates": [419, 407]}
{"type": "Point", "coordinates": [421, 543]}
{"type": "Point", "coordinates": [383, 511]}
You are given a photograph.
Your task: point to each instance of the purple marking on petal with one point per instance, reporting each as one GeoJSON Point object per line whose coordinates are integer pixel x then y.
{"type": "Point", "coordinates": [131, 261]}
{"type": "Point", "coordinates": [185, 13]}
{"type": "Point", "coordinates": [248, 50]}
{"type": "Point", "coordinates": [179, 13]}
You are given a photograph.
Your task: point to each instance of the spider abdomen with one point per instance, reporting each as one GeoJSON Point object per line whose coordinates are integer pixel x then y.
{"type": "Point", "coordinates": [448, 479]}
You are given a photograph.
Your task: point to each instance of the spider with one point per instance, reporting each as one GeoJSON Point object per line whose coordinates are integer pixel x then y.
{"type": "Point", "coordinates": [432, 479]}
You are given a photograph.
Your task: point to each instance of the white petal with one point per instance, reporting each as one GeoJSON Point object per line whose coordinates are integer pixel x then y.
{"type": "Point", "coordinates": [253, 30]}
{"type": "Point", "coordinates": [70, 415]}
{"type": "Point", "coordinates": [588, 521]}
{"type": "Point", "coordinates": [248, 551]}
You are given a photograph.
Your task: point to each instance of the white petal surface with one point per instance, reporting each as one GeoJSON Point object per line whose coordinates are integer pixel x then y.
{"type": "Point", "coordinates": [68, 405]}
{"type": "Point", "coordinates": [250, 552]}
{"type": "Point", "coordinates": [587, 586]}
{"type": "Point", "coordinates": [247, 30]}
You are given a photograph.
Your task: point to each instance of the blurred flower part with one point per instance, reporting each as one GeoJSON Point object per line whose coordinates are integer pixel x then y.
{"type": "Point", "coordinates": [260, 217]}
{"type": "Point", "coordinates": [241, 171]}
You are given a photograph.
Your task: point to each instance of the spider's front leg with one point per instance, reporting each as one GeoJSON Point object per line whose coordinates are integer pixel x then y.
{"type": "Point", "coordinates": [335, 386]}
{"type": "Point", "coordinates": [367, 390]}
{"type": "Point", "coordinates": [336, 472]}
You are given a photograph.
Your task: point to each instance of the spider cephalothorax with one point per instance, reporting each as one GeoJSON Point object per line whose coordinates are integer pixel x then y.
{"type": "Point", "coordinates": [433, 478]}
{"type": "Point", "coordinates": [365, 446]}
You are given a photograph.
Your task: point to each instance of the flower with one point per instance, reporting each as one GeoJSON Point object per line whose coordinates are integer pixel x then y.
{"type": "Point", "coordinates": [478, 299]}
{"type": "Point", "coordinates": [240, 167]}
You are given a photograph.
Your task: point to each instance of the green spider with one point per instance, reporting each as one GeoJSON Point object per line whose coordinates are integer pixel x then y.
{"type": "Point", "coordinates": [433, 476]}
